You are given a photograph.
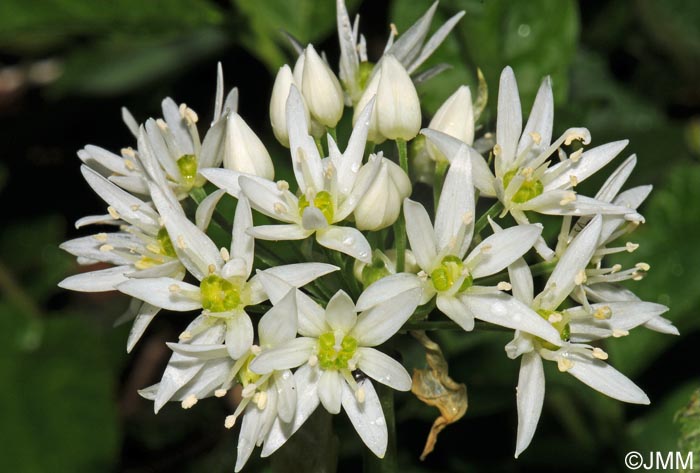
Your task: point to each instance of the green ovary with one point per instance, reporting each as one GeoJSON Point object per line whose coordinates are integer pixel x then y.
{"type": "Point", "coordinates": [529, 189]}
{"type": "Point", "coordinates": [562, 327]}
{"type": "Point", "coordinates": [245, 375]}
{"type": "Point", "coordinates": [374, 271]}
{"type": "Point", "coordinates": [449, 271]}
{"type": "Point", "coordinates": [219, 295]}
{"type": "Point", "coordinates": [187, 165]}
{"type": "Point", "coordinates": [166, 245]}
{"type": "Point", "coordinates": [331, 357]}
{"type": "Point", "coordinates": [322, 202]}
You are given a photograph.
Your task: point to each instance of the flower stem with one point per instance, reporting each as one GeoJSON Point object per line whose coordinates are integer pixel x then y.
{"type": "Point", "coordinates": [440, 170]}
{"type": "Point", "coordinates": [198, 194]}
{"type": "Point", "coordinates": [400, 225]}
{"type": "Point", "coordinates": [333, 133]}
{"type": "Point", "coordinates": [484, 219]}
{"type": "Point", "coordinates": [388, 464]}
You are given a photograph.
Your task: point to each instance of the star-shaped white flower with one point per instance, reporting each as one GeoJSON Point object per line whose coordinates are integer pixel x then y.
{"type": "Point", "coordinates": [449, 273]}
{"type": "Point", "coordinates": [336, 342]}
{"type": "Point", "coordinates": [576, 326]}
{"type": "Point", "coordinates": [330, 188]}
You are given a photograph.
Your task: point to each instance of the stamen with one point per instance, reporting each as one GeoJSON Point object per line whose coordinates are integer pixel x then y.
{"type": "Point", "coordinates": [569, 197]}
{"type": "Point", "coordinates": [504, 286]}
{"type": "Point", "coordinates": [618, 333]}
{"type": "Point", "coordinates": [174, 288]}
{"type": "Point", "coordinates": [283, 185]}
{"type": "Point", "coordinates": [554, 318]}
{"type": "Point", "coordinates": [113, 213]}
{"type": "Point", "coordinates": [184, 336]}
{"type": "Point", "coordinates": [497, 150]}
{"type": "Point", "coordinates": [211, 268]}
{"type": "Point", "coordinates": [220, 393]}
{"type": "Point", "coordinates": [580, 277]}
{"type": "Point", "coordinates": [631, 246]}
{"type": "Point", "coordinates": [161, 124]}
{"type": "Point", "coordinates": [189, 401]}
{"type": "Point", "coordinates": [642, 266]}
{"type": "Point", "coordinates": [573, 180]}
{"type": "Point", "coordinates": [225, 254]}
{"type": "Point", "coordinates": [181, 242]}
{"type": "Point", "coordinates": [360, 395]}
{"type": "Point", "coordinates": [602, 313]}
{"type": "Point", "coordinates": [261, 402]}
{"type": "Point", "coordinates": [230, 421]}
{"type": "Point", "coordinates": [576, 155]}
{"type": "Point", "coordinates": [536, 137]}
{"type": "Point", "coordinates": [100, 237]}
{"type": "Point", "coordinates": [106, 248]}
{"type": "Point", "coordinates": [564, 364]}
{"type": "Point", "coordinates": [313, 360]}
{"type": "Point", "coordinates": [599, 354]}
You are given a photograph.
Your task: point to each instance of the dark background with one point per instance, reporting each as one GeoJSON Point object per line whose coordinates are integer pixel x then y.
{"type": "Point", "coordinates": [624, 69]}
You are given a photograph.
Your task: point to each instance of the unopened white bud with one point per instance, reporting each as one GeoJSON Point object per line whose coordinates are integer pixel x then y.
{"type": "Point", "coordinates": [278, 104]}
{"type": "Point", "coordinates": [398, 107]}
{"type": "Point", "coordinates": [455, 117]}
{"type": "Point", "coordinates": [370, 92]}
{"type": "Point", "coordinates": [380, 205]}
{"type": "Point", "coordinates": [321, 90]}
{"type": "Point", "coordinates": [243, 151]}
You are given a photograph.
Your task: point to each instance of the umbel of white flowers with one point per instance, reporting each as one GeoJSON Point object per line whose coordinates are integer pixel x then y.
{"type": "Point", "coordinates": [318, 342]}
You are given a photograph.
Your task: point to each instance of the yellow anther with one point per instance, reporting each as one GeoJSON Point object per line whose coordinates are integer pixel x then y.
{"type": "Point", "coordinates": [100, 237]}
{"type": "Point", "coordinates": [554, 318]}
{"type": "Point", "coordinates": [129, 164]}
{"type": "Point", "coordinates": [106, 248]}
{"type": "Point", "coordinates": [615, 268]}
{"type": "Point", "coordinates": [580, 277]}
{"type": "Point", "coordinates": [330, 170]}
{"type": "Point", "coordinates": [527, 173]}
{"type": "Point", "coordinates": [394, 30]}
{"type": "Point", "coordinates": [211, 268]}
{"type": "Point", "coordinates": [313, 360]}
{"type": "Point", "coordinates": [279, 208]}
{"type": "Point", "coordinates": [468, 217]}
{"type": "Point", "coordinates": [573, 180]}
{"type": "Point", "coordinates": [576, 155]}
{"type": "Point", "coordinates": [220, 393]}
{"type": "Point", "coordinates": [599, 354]}
{"type": "Point", "coordinates": [564, 364]}
{"type": "Point", "coordinates": [128, 151]}
{"type": "Point", "coordinates": [631, 246]}
{"type": "Point", "coordinates": [249, 391]}
{"type": "Point", "coordinates": [618, 333]}
{"type": "Point", "coordinates": [568, 198]}
{"type": "Point", "coordinates": [262, 400]}
{"type": "Point", "coordinates": [161, 124]}
{"type": "Point", "coordinates": [189, 401]}
{"type": "Point", "coordinates": [602, 313]}
{"type": "Point", "coordinates": [504, 286]}
{"type": "Point", "coordinates": [642, 266]}
{"type": "Point", "coordinates": [536, 137]}
{"type": "Point", "coordinates": [174, 288]}
{"type": "Point", "coordinates": [300, 155]}
{"type": "Point", "coordinates": [181, 242]}
{"type": "Point", "coordinates": [135, 207]}
{"type": "Point", "coordinates": [113, 213]}
{"type": "Point", "coordinates": [224, 254]}
{"type": "Point", "coordinates": [497, 149]}
{"type": "Point", "coordinates": [360, 395]}
{"type": "Point", "coordinates": [230, 421]}
{"type": "Point", "coordinates": [283, 185]}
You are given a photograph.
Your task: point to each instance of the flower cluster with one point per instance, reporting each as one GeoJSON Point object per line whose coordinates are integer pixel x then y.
{"type": "Point", "coordinates": [293, 329]}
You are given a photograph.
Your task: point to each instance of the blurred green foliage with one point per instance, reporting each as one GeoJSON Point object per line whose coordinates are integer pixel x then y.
{"type": "Point", "coordinates": [622, 69]}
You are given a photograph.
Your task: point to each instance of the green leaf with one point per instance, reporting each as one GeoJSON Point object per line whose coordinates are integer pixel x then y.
{"type": "Point", "coordinates": [36, 25]}
{"type": "Point", "coordinates": [306, 20]}
{"type": "Point", "coordinates": [58, 409]}
{"type": "Point", "coordinates": [689, 420]}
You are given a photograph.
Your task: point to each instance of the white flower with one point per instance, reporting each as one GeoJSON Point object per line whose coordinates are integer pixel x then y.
{"type": "Point", "coordinates": [380, 206]}
{"type": "Point", "coordinates": [142, 248]}
{"type": "Point", "coordinates": [397, 113]}
{"type": "Point", "coordinates": [447, 273]}
{"type": "Point", "coordinates": [335, 343]}
{"type": "Point", "coordinates": [330, 189]}
{"type": "Point", "coordinates": [321, 90]}
{"type": "Point", "coordinates": [382, 265]}
{"type": "Point", "coordinates": [224, 289]}
{"type": "Point", "coordinates": [411, 49]}
{"type": "Point", "coordinates": [574, 325]}
{"type": "Point", "coordinates": [455, 117]}
{"type": "Point", "coordinates": [243, 150]}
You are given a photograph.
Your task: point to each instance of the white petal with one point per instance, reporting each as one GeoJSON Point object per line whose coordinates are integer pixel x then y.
{"type": "Point", "coordinates": [305, 158]}
{"type": "Point", "coordinates": [290, 231]}
{"type": "Point", "coordinates": [329, 390]}
{"type": "Point", "coordinates": [348, 167]}
{"type": "Point", "coordinates": [541, 119]}
{"type": "Point", "coordinates": [435, 40]}
{"type": "Point", "coordinates": [159, 292]}
{"type": "Point", "coordinates": [588, 164]}
{"type": "Point", "coordinates": [267, 198]}
{"type": "Point", "coordinates": [455, 309]}
{"type": "Point", "coordinates": [521, 279]}
{"type": "Point", "coordinates": [386, 288]}
{"type": "Point", "coordinates": [300, 274]}
{"type": "Point", "coordinates": [313, 219]}
{"type": "Point", "coordinates": [194, 248]}
{"type": "Point", "coordinates": [503, 248]}
{"type": "Point", "coordinates": [506, 311]}
{"type": "Point", "coordinates": [279, 324]}
{"type": "Point", "coordinates": [306, 379]}
{"type": "Point", "coordinates": [367, 417]}
{"type": "Point", "coordinates": [286, 394]}
{"type": "Point", "coordinates": [97, 281]}
{"type": "Point", "coordinates": [239, 335]}
{"type": "Point", "coordinates": [625, 316]}
{"type": "Point", "coordinates": [530, 396]}
{"type": "Point", "coordinates": [340, 312]}
{"type": "Point", "coordinates": [224, 179]}
{"type": "Point", "coordinates": [347, 240]}
{"type": "Point", "coordinates": [408, 46]}
{"type": "Point", "coordinates": [420, 234]}
{"type": "Point", "coordinates": [617, 179]}
{"type": "Point", "coordinates": [384, 369]}
{"type": "Point", "coordinates": [509, 121]}
{"type": "Point", "coordinates": [250, 429]}
{"type": "Point", "coordinates": [291, 354]}
{"type": "Point", "coordinates": [144, 317]}
{"type": "Point", "coordinates": [201, 352]}
{"type": "Point", "coordinates": [607, 380]}
{"type": "Point", "coordinates": [456, 207]}
{"type": "Point", "coordinates": [206, 209]}
{"type": "Point", "coordinates": [242, 244]}
{"type": "Point", "coordinates": [662, 325]}
{"type": "Point", "coordinates": [575, 258]}
{"type": "Point", "coordinates": [378, 324]}
{"type": "Point", "coordinates": [211, 154]}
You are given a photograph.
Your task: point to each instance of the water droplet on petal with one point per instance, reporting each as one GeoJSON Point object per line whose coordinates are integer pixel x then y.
{"type": "Point", "coordinates": [379, 421]}
{"type": "Point", "coordinates": [498, 309]}
{"type": "Point", "coordinates": [348, 241]}
{"type": "Point", "coordinates": [355, 167]}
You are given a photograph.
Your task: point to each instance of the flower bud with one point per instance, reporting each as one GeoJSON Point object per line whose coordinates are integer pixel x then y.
{"type": "Point", "coordinates": [379, 207]}
{"type": "Point", "coordinates": [382, 265]}
{"type": "Point", "coordinates": [278, 104]}
{"type": "Point", "coordinates": [370, 92]}
{"type": "Point", "coordinates": [398, 107]}
{"type": "Point", "coordinates": [455, 117]}
{"type": "Point", "coordinates": [321, 90]}
{"type": "Point", "coordinates": [243, 150]}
